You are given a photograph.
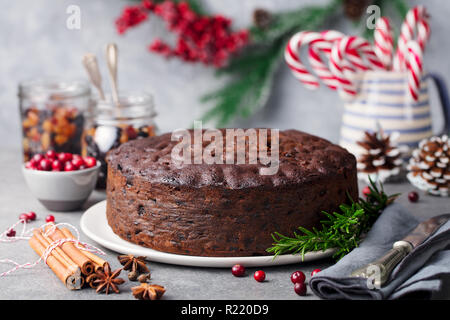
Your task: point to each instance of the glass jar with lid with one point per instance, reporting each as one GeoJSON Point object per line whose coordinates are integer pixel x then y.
{"type": "Point", "coordinates": [108, 126]}
{"type": "Point", "coordinates": [52, 115]}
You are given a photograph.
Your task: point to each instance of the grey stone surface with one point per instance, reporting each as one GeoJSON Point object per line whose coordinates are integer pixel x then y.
{"type": "Point", "coordinates": [35, 42]}
{"type": "Point", "coordinates": [181, 282]}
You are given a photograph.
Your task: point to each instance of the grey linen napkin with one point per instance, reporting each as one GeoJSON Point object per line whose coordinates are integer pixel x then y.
{"type": "Point", "coordinates": [418, 275]}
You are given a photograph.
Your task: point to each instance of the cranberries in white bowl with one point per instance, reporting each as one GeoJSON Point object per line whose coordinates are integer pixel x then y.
{"type": "Point", "coordinates": [61, 181]}
{"type": "Point", "coordinates": [52, 161]}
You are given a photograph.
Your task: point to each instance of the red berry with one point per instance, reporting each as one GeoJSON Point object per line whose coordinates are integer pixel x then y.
{"type": "Point", "coordinates": [69, 167]}
{"type": "Point", "coordinates": [413, 196]}
{"type": "Point", "coordinates": [90, 162]}
{"type": "Point", "coordinates": [77, 162]}
{"type": "Point", "coordinates": [238, 270]}
{"type": "Point", "coordinates": [45, 165]}
{"type": "Point", "coordinates": [57, 165]}
{"type": "Point", "coordinates": [11, 233]}
{"type": "Point", "coordinates": [315, 271]}
{"type": "Point", "coordinates": [51, 154]}
{"type": "Point", "coordinates": [259, 276]}
{"type": "Point", "coordinates": [49, 218]}
{"type": "Point", "coordinates": [300, 288]}
{"type": "Point", "coordinates": [37, 158]}
{"type": "Point", "coordinates": [366, 191]}
{"type": "Point", "coordinates": [30, 165]}
{"type": "Point", "coordinates": [297, 277]}
{"type": "Point", "coordinates": [131, 132]}
{"type": "Point", "coordinates": [64, 157]}
{"type": "Point", "coordinates": [31, 215]}
{"type": "Point", "coordinates": [24, 217]}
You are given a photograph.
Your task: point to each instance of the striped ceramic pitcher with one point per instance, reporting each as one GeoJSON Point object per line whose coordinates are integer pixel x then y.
{"type": "Point", "coordinates": [383, 101]}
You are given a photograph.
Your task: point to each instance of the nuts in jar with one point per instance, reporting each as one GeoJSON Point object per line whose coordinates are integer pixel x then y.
{"type": "Point", "coordinates": [108, 126]}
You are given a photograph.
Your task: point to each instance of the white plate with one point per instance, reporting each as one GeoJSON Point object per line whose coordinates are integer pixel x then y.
{"type": "Point", "coordinates": [95, 226]}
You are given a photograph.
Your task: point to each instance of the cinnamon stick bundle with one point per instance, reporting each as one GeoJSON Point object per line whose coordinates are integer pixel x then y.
{"type": "Point", "coordinates": [86, 265]}
{"type": "Point", "coordinates": [64, 268]}
{"type": "Point", "coordinates": [70, 264]}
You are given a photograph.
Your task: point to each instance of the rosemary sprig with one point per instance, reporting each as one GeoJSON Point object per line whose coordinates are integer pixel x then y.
{"type": "Point", "coordinates": [342, 230]}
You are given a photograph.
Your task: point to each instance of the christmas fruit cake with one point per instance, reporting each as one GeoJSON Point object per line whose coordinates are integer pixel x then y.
{"type": "Point", "coordinates": [223, 209]}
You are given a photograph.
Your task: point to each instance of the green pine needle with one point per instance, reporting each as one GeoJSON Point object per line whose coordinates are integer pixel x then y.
{"type": "Point", "coordinates": [253, 70]}
{"type": "Point", "coordinates": [341, 230]}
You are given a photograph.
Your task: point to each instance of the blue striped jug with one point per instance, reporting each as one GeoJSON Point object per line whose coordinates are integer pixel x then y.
{"type": "Point", "coordinates": [383, 101]}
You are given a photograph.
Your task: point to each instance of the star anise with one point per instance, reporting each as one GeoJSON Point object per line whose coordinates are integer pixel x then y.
{"type": "Point", "coordinates": [148, 291]}
{"type": "Point", "coordinates": [137, 264]}
{"type": "Point", "coordinates": [107, 280]}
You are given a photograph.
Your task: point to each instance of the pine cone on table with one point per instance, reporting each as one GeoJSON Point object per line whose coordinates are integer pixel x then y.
{"type": "Point", "coordinates": [429, 167]}
{"type": "Point", "coordinates": [381, 158]}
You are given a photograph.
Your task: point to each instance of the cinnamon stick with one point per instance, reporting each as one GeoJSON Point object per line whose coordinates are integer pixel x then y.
{"type": "Point", "coordinates": [98, 262]}
{"type": "Point", "coordinates": [72, 280]}
{"type": "Point", "coordinates": [86, 265]}
{"type": "Point", "coordinates": [57, 252]}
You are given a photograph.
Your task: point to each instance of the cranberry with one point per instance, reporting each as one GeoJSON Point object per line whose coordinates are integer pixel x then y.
{"type": "Point", "coordinates": [24, 217]}
{"type": "Point", "coordinates": [37, 158]}
{"type": "Point", "coordinates": [31, 215]}
{"type": "Point", "coordinates": [413, 196]}
{"type": "Point", "coordinates": [57, 165]}
{"type": "Point", "coordinates": [64, 157]}
{"type": "Point", "coordinates": [315, 271]}
{"type": "Point", "coordinates": [366, 191]}
{"type": "Point", "coordinates": [49, 218]}
{"type": "Point", "coordinates": [69, 167]}
{"type": "Point", "coordinates": [90, 162]}
{"type": "Point", "coordinates": [238, 270]}
{"type": "Point", "coordinates": [259, 276]}
{"type": "Point", "coordinates": [77, 162]}
{"type": "Point", "coordinates": [51, 154]}
{"type": "Point", "coordinates": [30, 165]}
{"type": "Point", "coordinates": [300, 288]}
{"type": "Point", "coordinates": [297, 277]}
{"type": "Point", "coordinates": [11, 233]}
{"type": "Point", "coordinates": [45, 165]}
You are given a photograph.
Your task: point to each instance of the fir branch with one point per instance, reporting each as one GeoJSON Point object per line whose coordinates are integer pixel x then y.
{"type": "Point", "coordinates": [253, 70]}
{"type": "Point", "coordinates": [341, 230]}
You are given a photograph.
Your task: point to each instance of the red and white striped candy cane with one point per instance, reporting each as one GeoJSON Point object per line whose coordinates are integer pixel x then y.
{"type": "Point", "coordinates": [294, 62]}
{"type": "Point", "coordinates": [360, 53]}
{"type": "Point", "coordinates": [383, 41]}
{"type": "Point", "coordinates": [414, 27]}
{"type": "Point", "coordinates": [324, 46]}
{"type": "Point", "coordinates": [414, 62]}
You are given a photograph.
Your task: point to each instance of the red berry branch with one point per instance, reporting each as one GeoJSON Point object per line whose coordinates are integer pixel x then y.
{"type": "Point", "coordinates": [200, 38]}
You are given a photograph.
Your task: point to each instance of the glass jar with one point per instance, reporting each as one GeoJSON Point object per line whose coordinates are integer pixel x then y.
{"type": "Point", "coordinates": [51, 113]}
{"type": "Point", "coordinates": [108, 126]}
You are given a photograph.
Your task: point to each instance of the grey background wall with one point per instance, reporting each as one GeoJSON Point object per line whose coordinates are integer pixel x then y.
{"type": "Point", "coordinates": [34, 41]}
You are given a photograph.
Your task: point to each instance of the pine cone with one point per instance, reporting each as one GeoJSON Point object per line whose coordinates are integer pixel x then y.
{"type": "Point", "coordinates": [354, 9]}
{"type": "Point", "coordinates": [429, 167]}
{"type": "Point", "coordinates": [262, 18]}
{"type": "Point", "coordinates": [381, 158]}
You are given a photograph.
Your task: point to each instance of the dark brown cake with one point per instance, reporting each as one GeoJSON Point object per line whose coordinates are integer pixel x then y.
{"type": "Point", "coordinates": [223, 209]}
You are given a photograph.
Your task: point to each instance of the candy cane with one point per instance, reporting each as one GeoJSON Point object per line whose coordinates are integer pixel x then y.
{"type": "Point", "coordinates": [383, 41]}
{"type": "Point", "coordinates": [414, 27]}
{"type": "Point", "coordinates": [298, 69]}
{"type": "Point", "coordinates": [351, 47]}
{"type": "Point", "coordinates": [324, 45]}
{"type": "Point", "coordinates": [414, 63]}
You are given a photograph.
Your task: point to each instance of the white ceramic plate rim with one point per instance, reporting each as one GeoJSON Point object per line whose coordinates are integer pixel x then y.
{"type": "Point", "coordinates": [94, 225]}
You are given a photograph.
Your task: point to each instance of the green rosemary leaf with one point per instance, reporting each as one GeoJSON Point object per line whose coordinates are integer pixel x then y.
{"type": "Point", "coordinates": [341, 230]}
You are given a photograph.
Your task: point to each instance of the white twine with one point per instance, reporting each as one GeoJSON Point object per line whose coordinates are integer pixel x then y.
{"type": "Point", "coordinates": [27, 234]}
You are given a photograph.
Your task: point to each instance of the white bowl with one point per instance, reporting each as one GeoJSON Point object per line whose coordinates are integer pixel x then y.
{"type": "Point", "coordinates": [64, 190]}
